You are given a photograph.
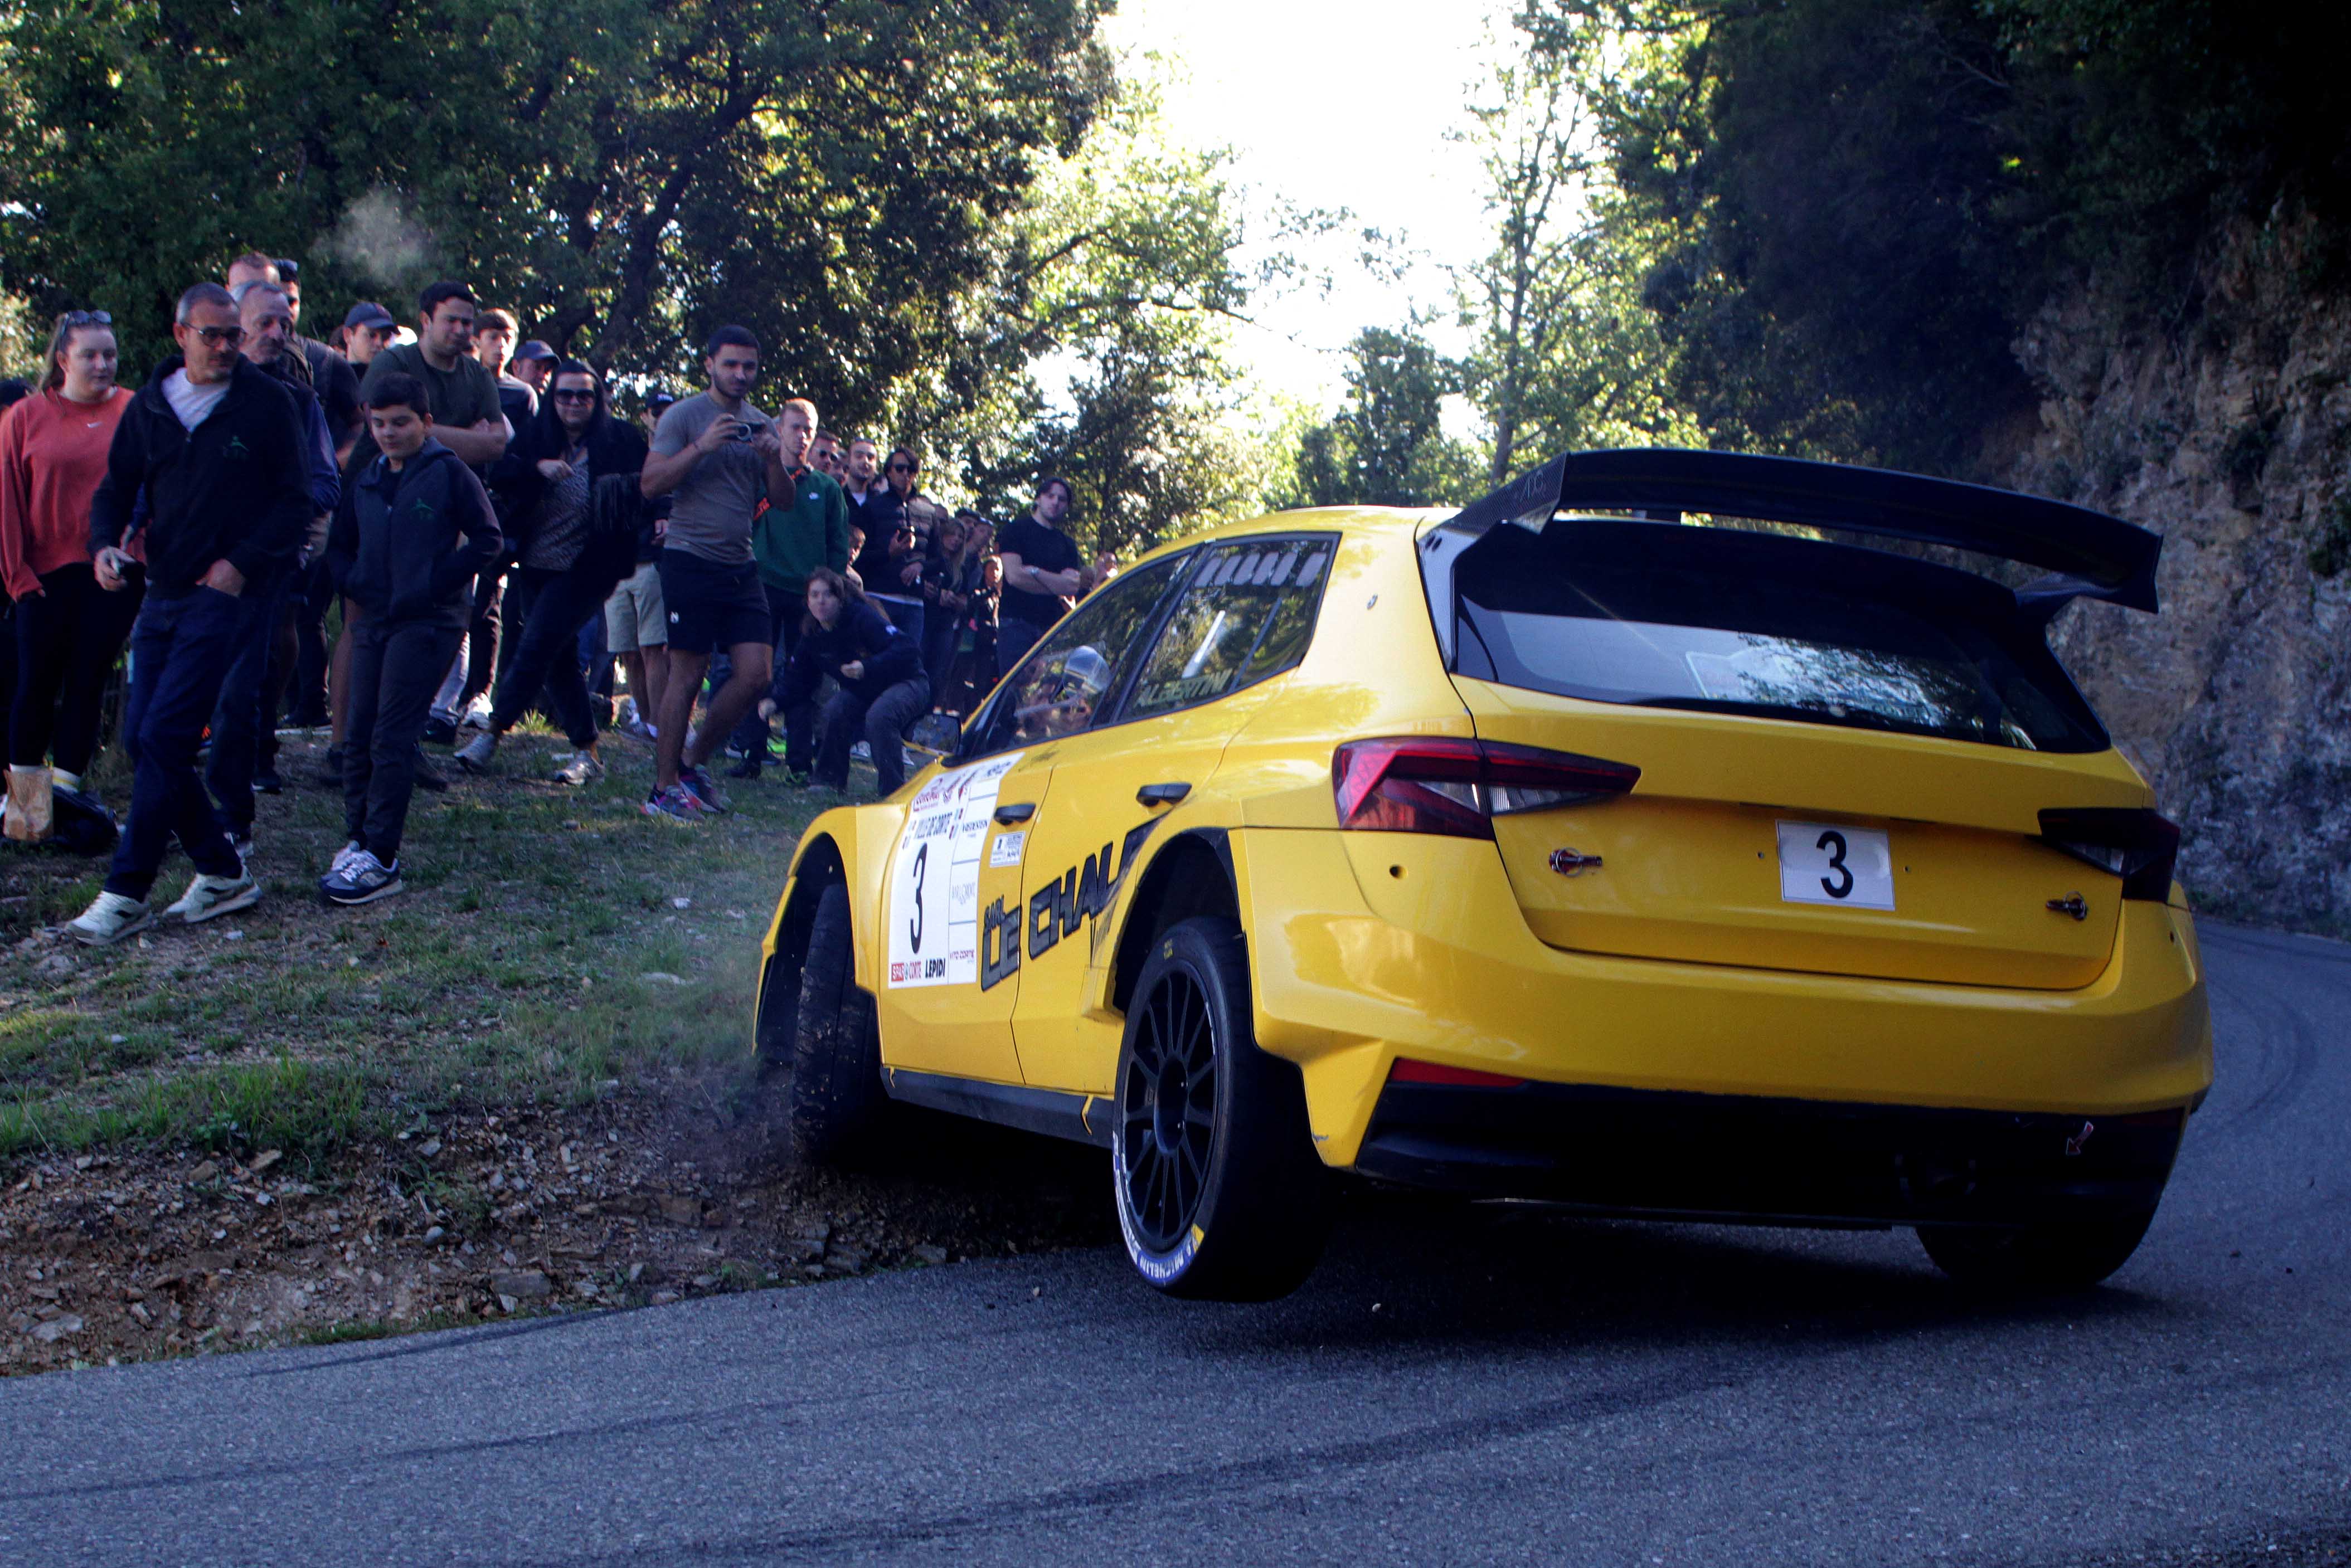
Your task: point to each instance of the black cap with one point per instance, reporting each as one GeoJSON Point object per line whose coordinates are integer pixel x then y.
{"type": "Point", "coordinates": [535, 350]}
{"type": "Point", "coordinates": [659, 399]}
{"type": "Point", "coordinates": [366, 314]}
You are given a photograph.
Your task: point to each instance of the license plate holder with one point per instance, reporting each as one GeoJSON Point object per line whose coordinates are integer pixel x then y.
{"type": "Point", "coordinates": [1832, 863]}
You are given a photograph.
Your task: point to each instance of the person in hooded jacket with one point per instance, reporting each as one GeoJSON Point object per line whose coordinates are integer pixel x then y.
{"type": "Point", "coordinates": [880, 673]}
{"type": "Point", "coordinates": [569, 567]}
{"type": "Point", "coordinates": [216, 447]}
{"type": "Point", "coordinates": [413, 528]}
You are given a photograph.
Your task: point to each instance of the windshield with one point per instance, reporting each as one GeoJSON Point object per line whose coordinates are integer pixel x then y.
{"type": "Point", "coordinates": [1663, 615]}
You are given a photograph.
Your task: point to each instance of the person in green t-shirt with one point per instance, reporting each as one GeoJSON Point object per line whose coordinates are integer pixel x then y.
{"type": "Point", "coordinates": [464, 393]}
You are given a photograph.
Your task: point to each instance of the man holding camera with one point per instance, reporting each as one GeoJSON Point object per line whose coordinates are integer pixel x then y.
{"type": "Point", "coordinates": [716, 455]}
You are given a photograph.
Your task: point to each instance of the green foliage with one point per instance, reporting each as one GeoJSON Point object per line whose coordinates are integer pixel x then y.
{"type": "Point", "coordinates": [625, 176]}
{"type": "Point", "coordinates": [1565, 357]}
{"type": "Point", "coordinates": [1847, 208]}
{"type": "Point", "coordinates": [1386, 446]}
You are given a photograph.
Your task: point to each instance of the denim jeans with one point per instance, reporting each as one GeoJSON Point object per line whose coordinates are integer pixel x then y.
{"type": "Point", "coordinates": [553, 607]}
{"type": "Point", "coordinates": [237, 716]}
{"type": "Point", "coordinates": [181, 649]}
{"type": "Point", "coordinates": [882, 725]}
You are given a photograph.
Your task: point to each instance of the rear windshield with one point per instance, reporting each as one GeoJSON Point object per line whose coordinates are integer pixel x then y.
{"type": "Point", "coordinates": [1671, 616]}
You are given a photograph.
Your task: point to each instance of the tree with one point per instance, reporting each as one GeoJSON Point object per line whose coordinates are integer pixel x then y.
{"type": "Point", "coordinates": [1564, 356]}
{"type": "Point", "coordinates": [1386, 445]}
{"type": "Point", "coordinates": [625, 175]}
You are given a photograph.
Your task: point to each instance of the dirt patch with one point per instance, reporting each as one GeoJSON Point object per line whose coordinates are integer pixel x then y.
{"type": "Point", "coordinates": [122, 1255]}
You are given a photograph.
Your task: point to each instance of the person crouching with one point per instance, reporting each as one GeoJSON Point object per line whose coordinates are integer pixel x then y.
{"type": "Point", "coordinates": [407, 540]}
{"type": "Point", "coordinates": [882, 688]}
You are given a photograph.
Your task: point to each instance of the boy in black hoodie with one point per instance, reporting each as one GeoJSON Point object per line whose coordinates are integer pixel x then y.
{"type": "Point", "coordinates": [216, 446]}
{"type": "Point", "coordinates": [412, 531]}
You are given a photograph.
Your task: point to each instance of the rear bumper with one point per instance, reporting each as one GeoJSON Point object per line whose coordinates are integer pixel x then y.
{"type": "Point", "coordinates": [1750, 1158]}
{"type": "Point", "coordinates": [1419, 950]}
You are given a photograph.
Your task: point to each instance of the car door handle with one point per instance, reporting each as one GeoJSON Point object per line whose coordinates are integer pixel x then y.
{"type": "Point", "coordinates": [1016, 811]}
{"type": "Point", "coordinates": [1162, 793]}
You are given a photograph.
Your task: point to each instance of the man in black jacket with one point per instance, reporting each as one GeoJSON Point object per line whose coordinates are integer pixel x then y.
{"type": "Point", "coordinates": [217, 445]}
{"type": "Point", "coordinates": [410, 535]}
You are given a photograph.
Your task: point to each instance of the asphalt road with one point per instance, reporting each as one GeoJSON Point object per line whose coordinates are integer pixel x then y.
{"type": "Point", "coordinates": [1495, 1388]}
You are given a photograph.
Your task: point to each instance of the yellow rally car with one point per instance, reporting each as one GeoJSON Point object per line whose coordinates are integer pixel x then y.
{"type": "Point", "coordinates": [1658, 836]}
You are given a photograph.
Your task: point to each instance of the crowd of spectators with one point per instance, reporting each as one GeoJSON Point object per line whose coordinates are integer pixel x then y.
{"type": "Point", "coordinates": [418, 536]}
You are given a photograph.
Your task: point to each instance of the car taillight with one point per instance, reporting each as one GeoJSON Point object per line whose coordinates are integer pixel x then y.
{"type": "Point", "coordinates": [1437, 783]}
{"type": "Point", "coordinates": [2139, 847]}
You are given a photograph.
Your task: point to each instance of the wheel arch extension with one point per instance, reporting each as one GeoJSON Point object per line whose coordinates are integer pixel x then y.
{"type": "Point", "coordinates": [820, 867]}
{"type": "Point", "coordinates": [1191, 875]}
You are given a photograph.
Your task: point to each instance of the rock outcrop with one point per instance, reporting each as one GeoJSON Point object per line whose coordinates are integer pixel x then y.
{"type": "Point", "coordinates": [2228, 431]}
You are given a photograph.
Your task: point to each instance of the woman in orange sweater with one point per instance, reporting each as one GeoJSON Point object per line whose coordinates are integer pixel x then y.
{"type": "Point", "coordinates": [70, 631]}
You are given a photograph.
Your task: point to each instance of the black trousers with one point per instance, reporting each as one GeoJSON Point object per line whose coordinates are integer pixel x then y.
{"type": "Point", "coordinates": [314, 595]}
{"type": "Point", "coordinates": [396, 668]}
{"type": "Point", "coordinates": [68, 637]}
{"type": "Point", "coordinates": [554, 605]}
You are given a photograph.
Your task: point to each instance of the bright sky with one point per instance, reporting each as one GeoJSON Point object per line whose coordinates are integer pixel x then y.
{"type": "Point", "coordinates": [1332, 103]}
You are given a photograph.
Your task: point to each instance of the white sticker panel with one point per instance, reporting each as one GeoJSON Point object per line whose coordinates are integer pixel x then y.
{"type": "Point", "coordinates": [1006, 850]}
{"type": "Point", "coordinates": [933, 911]}
{"type": "Point", "coordinates": [1829, 863]}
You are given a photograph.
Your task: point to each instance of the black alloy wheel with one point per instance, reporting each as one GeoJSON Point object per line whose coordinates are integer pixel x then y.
{"type": "Point", "coordinates": [1168, 1110]}
{"type": "Point", "coordinates": [1219, 1192]}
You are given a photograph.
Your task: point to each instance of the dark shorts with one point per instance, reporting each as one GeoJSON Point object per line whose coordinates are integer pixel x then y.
{"type": "Point", "coordinates": [713, 606]}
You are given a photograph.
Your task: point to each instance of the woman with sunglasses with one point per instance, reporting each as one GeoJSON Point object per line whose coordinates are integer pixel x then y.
{"type": "Point", "coordinates": [567, 569]}
{"type": "Point", "coordinates": [69, 632]}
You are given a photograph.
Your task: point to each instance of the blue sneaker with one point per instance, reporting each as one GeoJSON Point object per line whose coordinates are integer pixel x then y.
{"type": "Point", "coordinates": [674, 804]}
{"type": "Point", "coordinates": [359, 878]}
{"type": "Point", "coordinates": [698, 785]}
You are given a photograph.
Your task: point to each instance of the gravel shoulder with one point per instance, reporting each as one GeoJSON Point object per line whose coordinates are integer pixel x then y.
{"type": "Point", "coordinates": [525, 1086]}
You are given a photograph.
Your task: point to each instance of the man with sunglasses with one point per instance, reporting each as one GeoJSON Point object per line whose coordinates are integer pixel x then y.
{"type": "Point", "coordinates": [215, 444]}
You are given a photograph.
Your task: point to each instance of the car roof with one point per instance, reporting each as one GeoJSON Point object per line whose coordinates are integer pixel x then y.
{"type": "Point", "coordinates": [1402, 523]}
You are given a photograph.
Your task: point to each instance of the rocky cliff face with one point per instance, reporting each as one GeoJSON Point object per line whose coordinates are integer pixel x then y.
{"type": "Point", "coordinates": [2228, 433]}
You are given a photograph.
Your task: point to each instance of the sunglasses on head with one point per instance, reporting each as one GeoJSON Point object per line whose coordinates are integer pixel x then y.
{"type": "Point", "coordinates": [85, 319]}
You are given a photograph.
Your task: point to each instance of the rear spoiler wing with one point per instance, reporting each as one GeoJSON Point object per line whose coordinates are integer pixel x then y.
{"type": "Point", "coordinates": [2091, 554]}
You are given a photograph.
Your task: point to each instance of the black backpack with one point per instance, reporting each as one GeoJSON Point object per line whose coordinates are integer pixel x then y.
{"type": "Point", "coordinates": [83, 824]}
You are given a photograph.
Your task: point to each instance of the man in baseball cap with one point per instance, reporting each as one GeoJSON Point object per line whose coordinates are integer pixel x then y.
{"type": "Point", "coordinates": [533, 363]}
{"type": "Point", "coordinates": [366, 329]}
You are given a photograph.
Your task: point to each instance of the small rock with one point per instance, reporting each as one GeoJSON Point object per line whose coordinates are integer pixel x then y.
{"type": "Point", "coordinates": [677, 904]}
{"type": "Point", "coordinates": [56, 1328]}
{"type": "Point", "coordinates": [704, 1281]}
{"type": "Point", "coordinates": [234, 936]}
{"type": "Point", "coordinates": [204, 1172]}
{"type": "Point", "coordinates": [435, 1233]}
{"type": "Point", "coordinates": [928, 1254]}
{"type": "Point", "coordinates": [57, 966]}
{"type": "Point", "coordinates": [523, 1284]}
{"type": "Point", "coordinates": [681, 1211]}
{"type": "Point", "coordinates": [662, 1298]}
{"type": "Point", "coordinates": [429, 1147]}
{"type": "Point", "coordinates": [802, 1250]}
{"type": "Point", "coordinates": [265, 1158]}
{"type": "Point", "coordinates": [660, 977]}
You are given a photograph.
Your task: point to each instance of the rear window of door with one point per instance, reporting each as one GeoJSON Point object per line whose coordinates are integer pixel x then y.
{"type": "Point", "coordinates": [1245, 615]}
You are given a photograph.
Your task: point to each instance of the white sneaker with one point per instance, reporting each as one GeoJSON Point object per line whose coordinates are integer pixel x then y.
{"type": "Point", "coordinates": [474, 755]}
{"type": "Point", "coordinates": [343, 856]}
{"type": "Point", "coordinates": [109, 918]}
{"type": "Point", "coordinates": [209, 895]}
{"type": "Point", "coordinates": [582, 768]}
